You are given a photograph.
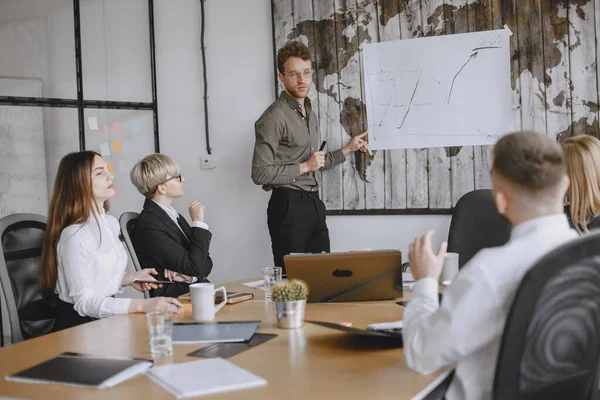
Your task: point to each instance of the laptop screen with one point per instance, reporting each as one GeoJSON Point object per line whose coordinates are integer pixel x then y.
{"type": "Point", "coordinates": [350, 276]}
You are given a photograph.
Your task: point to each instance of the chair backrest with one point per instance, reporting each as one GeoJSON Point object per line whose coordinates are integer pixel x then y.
{"type": "Point", "coordinates": [475, 225]}
{"type": "Point", "coordinates": [550, 347]}
{"type": "Point", "coordinates": [127, 222]}
{"type": "Point", "coordinates": [21, 237]}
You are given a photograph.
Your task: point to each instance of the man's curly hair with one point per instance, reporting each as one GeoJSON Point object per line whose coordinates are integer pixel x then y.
{"type": "Point", "coordinates": [292, 49]}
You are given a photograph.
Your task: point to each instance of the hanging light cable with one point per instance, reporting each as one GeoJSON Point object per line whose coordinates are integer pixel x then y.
{"type": "Point", "coordinates": [208, 148]}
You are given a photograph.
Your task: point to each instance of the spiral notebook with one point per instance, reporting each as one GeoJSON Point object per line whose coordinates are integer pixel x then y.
{"type": "Point", "coordinates": [196, 378]}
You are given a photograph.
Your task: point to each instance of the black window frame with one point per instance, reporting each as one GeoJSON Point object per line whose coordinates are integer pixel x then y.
{"type": "Point", "coordinates": [79, 103]}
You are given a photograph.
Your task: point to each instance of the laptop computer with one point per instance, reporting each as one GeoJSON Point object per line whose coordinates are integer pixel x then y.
{"type": "Point", "coordinates": [393, 335]}
{"type": "Point", "coordinates": [351, 276]}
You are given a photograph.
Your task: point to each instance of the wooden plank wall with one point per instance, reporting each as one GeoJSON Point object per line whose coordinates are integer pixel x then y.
{"type": "Point", "coordinates": [554, 69]}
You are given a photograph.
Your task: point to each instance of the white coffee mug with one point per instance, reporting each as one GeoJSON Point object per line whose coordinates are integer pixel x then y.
{"type": "Point", "coordinates": [203, 301]}
{"type": "Point", "coordinates": [449, 269]}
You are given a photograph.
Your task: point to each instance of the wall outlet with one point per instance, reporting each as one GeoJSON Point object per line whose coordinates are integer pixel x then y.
{"type": "Point", "coordinates": [208, 162]}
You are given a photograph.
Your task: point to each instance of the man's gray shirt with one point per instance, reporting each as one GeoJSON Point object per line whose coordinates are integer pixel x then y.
{"type": "Point", "coordinates": [284, 140]}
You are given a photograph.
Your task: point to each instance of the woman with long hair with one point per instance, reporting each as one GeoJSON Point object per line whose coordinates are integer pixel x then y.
{"type": "Point", "coordinates": [83, 261]}
{"type": "Point", "coordinates": [582, 156]}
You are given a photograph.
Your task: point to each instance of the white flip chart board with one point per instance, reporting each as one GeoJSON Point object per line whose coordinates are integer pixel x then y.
{"type": "Point", "coordinates": [450, 90]}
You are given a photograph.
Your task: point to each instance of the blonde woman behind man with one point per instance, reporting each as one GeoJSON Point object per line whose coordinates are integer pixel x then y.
{"type": "Point", "coordinates": [582, 158]}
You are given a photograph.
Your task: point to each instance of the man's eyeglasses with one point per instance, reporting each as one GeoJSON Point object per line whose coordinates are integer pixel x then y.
{"type": "Point", "coordinates": [306, 74]}
{"type": "Point", "coordinates": [175, 177]}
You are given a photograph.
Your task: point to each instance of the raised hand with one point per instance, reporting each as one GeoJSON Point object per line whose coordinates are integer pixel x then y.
{"type": "Point", "coordinates": [196, 210]}
{"type": "Point", "coordinates": [424, 263]}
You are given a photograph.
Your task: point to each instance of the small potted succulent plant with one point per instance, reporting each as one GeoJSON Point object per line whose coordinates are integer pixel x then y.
{"type": "Point", "coordinates": [290, 302]}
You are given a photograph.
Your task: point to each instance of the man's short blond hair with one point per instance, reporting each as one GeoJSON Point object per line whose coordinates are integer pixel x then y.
{"type": "Point", "coordinates": [151, 171]}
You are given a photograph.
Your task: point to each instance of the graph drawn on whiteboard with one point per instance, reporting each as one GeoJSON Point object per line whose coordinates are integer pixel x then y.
{"type": "Point", "coordinates": [438, 91]}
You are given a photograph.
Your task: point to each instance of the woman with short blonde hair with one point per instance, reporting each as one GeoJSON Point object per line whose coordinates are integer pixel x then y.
{"type": "Point", "coordinates": [152, 171]}
{"type": "Point", "coordinates": [582, 157]}
{"type": "Point", "coordinates": [161, 237]}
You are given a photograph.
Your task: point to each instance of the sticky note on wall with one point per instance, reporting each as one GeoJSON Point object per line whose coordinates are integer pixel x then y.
{"type": "Point", "coordinates": [117, 146]}
{"type": "Point", "coordinates": [117, 128]}
{"type": "Point", "coordinates": [111, 168]}
{"type": "Point", "coordinates": [104, 149]}
{"type": "Point", "coordinates": [93, 123]}
{"type": "Point", "coordinates": [127, 148]}
{"type": "Point", "coordinates": [135, 126]}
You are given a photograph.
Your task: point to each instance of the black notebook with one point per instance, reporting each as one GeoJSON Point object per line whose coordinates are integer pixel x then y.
{"type": "Point", "coordinates": [84, 370]}
{"type": "Point", "coordinates": [226, 350]}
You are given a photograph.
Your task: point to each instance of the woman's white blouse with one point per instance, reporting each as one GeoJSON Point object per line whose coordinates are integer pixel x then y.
{"type": "Point", "coordinates": [91, 263]}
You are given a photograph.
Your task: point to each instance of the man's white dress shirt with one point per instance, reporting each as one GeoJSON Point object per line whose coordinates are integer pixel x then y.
{"type": "Point", "coordinates": [466, 329]}
{"type": "Point", "coordinates": [91, 263]}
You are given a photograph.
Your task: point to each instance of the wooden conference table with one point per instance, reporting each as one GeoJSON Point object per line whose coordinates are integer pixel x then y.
{"type": "Point", "coordinates": [310, 362]}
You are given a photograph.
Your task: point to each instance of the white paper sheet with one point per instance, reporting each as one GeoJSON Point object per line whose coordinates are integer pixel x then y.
{"type": "Point", "coordinates": [450, 90]}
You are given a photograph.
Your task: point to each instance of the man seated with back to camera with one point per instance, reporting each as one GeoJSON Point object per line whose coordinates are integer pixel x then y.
{"type": "Point", "coordinates": [529, 183]}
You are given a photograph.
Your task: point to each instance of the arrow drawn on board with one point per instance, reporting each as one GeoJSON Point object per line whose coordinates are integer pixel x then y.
{"type": "Point", "coordinates": [472, 57]}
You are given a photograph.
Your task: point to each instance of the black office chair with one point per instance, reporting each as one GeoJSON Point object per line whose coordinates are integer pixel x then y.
{"type": "Point", "coordinates": [551, 342]}
{"type": "Point", "coordinates": [29, 315]}
{"type": "Point", "coordinates": [127, 222]}
{"type": "Point", "coordinates": [475, 225]}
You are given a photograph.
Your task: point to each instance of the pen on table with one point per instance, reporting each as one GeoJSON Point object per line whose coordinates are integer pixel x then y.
{"type": "Point", "coordinates": [323, 143]}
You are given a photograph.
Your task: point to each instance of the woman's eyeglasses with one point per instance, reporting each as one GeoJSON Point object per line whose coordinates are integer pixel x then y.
{"type": "Point", "coordinates": [175, 177]}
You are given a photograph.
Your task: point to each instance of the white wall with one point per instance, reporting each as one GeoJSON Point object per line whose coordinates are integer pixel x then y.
{"type": "Point", "coordinates": [241, 78]}
{"type": "Point", "coordinates": [240, 74]}
{"type": "Point", "coordinates": [384, 231]}
{"type": "Point", "coordinates": [241, 85]}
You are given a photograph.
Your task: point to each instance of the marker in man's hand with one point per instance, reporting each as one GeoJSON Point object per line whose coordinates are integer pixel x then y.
{"type": "Point", "coordinates": [322, 145]}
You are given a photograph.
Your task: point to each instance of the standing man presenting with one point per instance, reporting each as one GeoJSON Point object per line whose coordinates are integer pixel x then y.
{"type": "Point", "coordinates": [287, 155]}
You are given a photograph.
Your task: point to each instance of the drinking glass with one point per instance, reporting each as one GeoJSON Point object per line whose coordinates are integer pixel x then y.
{"type": "Point", "coordinates": [160, 328]}
{"type": "Point", "coordinates": [272, 276]}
